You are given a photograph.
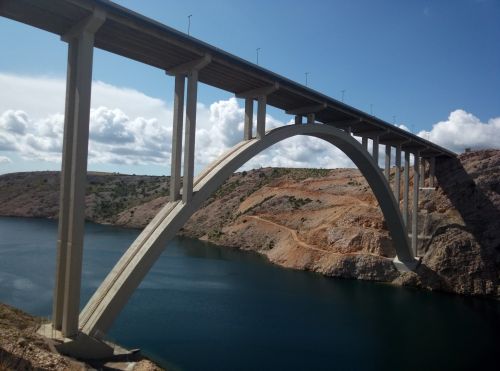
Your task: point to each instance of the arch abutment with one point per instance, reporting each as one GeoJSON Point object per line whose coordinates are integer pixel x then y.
{"type": "Point", "coordinates": [177, 131]}
{"type": "Point", "coordinates": [67, 288]}
{"type": "Point", "coordinates": [406, 189]}
{"type": "Point", "coordinates": [414, 219]}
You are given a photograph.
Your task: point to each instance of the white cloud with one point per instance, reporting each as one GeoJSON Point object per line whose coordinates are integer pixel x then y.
{"type": "Point", "coordinates": [5, 160]}
{"type": "Point", "coordinates": [130, 128]}
{"type": "Point", "coordinates": [464, 130]}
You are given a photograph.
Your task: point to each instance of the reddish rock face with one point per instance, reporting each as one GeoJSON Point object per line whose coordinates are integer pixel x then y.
{"type": "Point", "coordinates": [326, 221]}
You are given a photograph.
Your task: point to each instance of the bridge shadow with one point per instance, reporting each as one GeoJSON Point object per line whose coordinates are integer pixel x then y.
{"type": "Point", "coordinates": [480, 215]}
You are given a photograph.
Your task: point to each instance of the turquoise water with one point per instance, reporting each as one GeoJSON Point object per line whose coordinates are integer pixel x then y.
{"type": "Point", "coordinates": [208, 308]}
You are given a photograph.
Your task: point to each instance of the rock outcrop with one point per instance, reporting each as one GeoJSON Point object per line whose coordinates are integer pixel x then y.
{"type": "Point", "coordinates": [327, 221]}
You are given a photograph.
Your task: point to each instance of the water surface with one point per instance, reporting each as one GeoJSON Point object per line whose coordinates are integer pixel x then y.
{"type": "Point", "coordinates": [204, 307]}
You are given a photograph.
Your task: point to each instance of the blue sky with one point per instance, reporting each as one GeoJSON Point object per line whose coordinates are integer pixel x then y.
{"type": "Point", "coordinates": [416, 60]}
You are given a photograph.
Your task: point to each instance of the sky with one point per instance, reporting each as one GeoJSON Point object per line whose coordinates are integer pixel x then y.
{"type": "Point", "coordinates": [432, 66]}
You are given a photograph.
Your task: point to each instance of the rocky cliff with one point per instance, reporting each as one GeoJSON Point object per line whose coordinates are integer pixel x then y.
{"type": "Point", "coordinates": [327, 221]}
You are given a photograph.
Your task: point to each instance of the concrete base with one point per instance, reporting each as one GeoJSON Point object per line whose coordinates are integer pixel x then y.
{"type": "Point", "coordinates": [407, 266]}
{"type": "Point", "coordinates": [82, 346]}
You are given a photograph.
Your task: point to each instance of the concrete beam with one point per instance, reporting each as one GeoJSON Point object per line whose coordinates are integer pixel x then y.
{"type": "Point", "coordinates": [248, 128]}
{"type": "Point", "coordinates": [194, 65]}
{"type": "Point", "coordinates": [178, 120]}
{"type": "Point", "coordinates": [189, 137]}
{"type": "Point", "coordinates": [256, 93]}
{"type": "Point", "coordinates": [308, 109]}
{"type": "Point", "coordinates": [90, 24]}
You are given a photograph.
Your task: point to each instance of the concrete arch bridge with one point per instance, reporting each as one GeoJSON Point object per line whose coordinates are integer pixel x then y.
{"type": "Point", "coordinates": [86, 24]}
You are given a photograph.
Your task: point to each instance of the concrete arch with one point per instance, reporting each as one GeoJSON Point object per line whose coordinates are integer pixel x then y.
{"type": "Point", "coordinates": [121, 282]}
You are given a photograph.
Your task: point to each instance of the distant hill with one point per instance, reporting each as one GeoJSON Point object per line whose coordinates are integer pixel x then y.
{"type": "Point", "coordinates": [326, 221]}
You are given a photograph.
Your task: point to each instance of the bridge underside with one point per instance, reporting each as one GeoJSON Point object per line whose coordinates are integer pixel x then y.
{"type": "Point", "coordinates": [86, 24]}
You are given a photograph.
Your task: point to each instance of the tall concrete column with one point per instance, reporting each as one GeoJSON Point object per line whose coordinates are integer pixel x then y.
{"type": "Point", "coordinates": [364, 142]}
{"type": "Point", "coordinates": [406, 190]}
{"type": "Point", "coordinates": [73, 183]}
{"type": "Point", "coordinates": [261, 116]}
{"type": "Point", "coordinates": [298, 120]}
{"type": "Point", "coordinates": [311, 118]}
{"type": "Point", "coordinates": [397, 177]}
{"type": "Point", "coordinates": [422, 172]}
{"type": "Point", "coordinates": [248, 128]}
{"type": "Point", "coordinates": [387, 169]}
{"type": "Point", "coordinates": [189, 137]}
{"type": "Point", "coordinates": [432, 171]}
{"type": "Point", "coordinates": [175, 170]}
{"type": "Point", "coordinates": [375, 149]}
{"type": "Point", "coordinates": [414, 219]}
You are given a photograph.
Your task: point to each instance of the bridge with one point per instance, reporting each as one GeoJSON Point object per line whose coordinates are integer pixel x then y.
{"type": "Point", "coordinates": [88, 24]}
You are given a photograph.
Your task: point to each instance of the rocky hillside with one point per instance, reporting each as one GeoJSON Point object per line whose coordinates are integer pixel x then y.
{"type": "Point", "coordinates": [22, 348]}
{"type": "Point", "coordinates": [326, 221]}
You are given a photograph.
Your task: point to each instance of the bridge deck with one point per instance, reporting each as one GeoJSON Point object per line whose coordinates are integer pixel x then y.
{"type": "Point", "coordinates": [134, 36]}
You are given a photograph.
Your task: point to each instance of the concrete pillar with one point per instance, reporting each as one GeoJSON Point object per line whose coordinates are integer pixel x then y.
{"type": "Point", "coordinates": [298, 120]}
{"type": "Point", "coordinates": [248, 128]}
{"type": "Point", "coordinates": [422, 172]}
{"type": "Point", "coordinates": [397, 177]}
{"type": "Point", "coordinates": [73, 184]}
{"type": "Point", "coordinates": [261, 116]}
{"type": "Point", "coordinates": [189, 138]}
{"type": "Point", "coordinates": [387, 169]}
{"type": "Point", "coordinates": [432, 171]}
{"type": "Point", "coordinates": [375, 149]}
{"type": "Point", "coordinates": [364, 142]}
{"type": "Point", "coordinates": [311, 118]}
{"type": "Point", "coordinates": [348, 130]}
{"type": "Point", "coordinates": [175, 169]}
{"type": "Point", "coordinates": [406, 189]}
{"type": "Point", "coordinates": [414, 219]}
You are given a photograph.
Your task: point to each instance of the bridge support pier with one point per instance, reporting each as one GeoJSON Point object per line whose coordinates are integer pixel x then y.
{"type": "Point", "coordinates": [178, 120]}
{"type": "Point", "coordinates": [66, 302]}
{"type": "Point", "coordinates": [406, 189]}
{"type": "Point", "coordinates": [432, 171]}
{"type": "Point", "coordinates": [375, 149]}
{"type": "Point", "coordinates": [397, 177]}
{"type": "Point", "coordinates": [387, 169]}
{"type": "Point", "coordinates": [414, 219]}
{"type": "Point", "coordinates": [189, 138]}
{"type": "Point", "coordinates": [364, 142]}
{"type": "Point", "coordinates": [248, 127]}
